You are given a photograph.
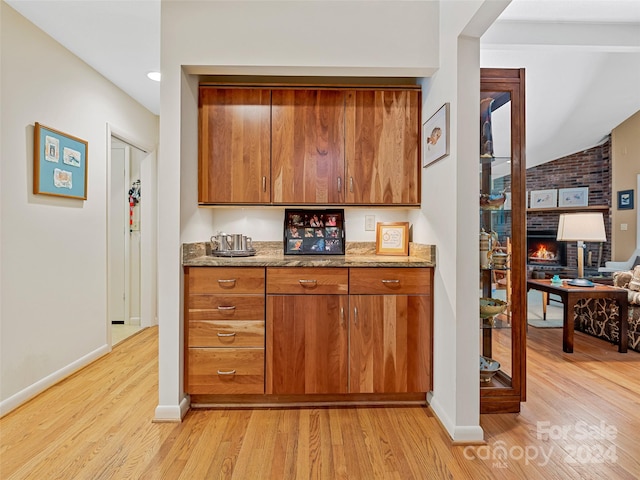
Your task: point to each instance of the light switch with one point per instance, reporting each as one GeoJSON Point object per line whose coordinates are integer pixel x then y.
{"type": "Point", "coordinates": [369, 223]}
{"type": "Point", "coordinates": [623, 227]}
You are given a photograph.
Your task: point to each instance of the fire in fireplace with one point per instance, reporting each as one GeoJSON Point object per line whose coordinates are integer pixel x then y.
{"type": "Point", "coordinates": [544, 249]}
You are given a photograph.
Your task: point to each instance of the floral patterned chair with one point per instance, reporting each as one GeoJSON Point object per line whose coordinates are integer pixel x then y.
{"type": "Point", "coordinates": [599, 317]}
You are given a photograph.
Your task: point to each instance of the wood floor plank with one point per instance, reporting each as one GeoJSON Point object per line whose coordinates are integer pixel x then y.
{"type": "Point", "coordinates": [97, 424]}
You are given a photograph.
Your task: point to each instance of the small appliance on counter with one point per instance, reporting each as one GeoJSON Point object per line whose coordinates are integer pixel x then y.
{"type": "Point", "coordinates": [231, 245]}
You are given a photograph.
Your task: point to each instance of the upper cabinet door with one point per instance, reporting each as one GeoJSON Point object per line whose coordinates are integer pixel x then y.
{"type": "Point", "coordinates": [307, 151]}
{"type": "Point", "coordinates": [383, 147]}
{"type": "Point", "coordinates": [234, 145]}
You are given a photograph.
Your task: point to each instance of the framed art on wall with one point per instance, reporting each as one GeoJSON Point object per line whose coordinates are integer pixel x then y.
{"type": "Point", "coordinates": [543, 198]}
{"type": "Point", "coordinates": [392, 238]}
{"type": "Point", "coordinates": [574, 197]}
{"type": "Point", "coordinates": [59, 164]}
{"type": "Point", "coordinates": [625, 200]}
{"type": "Point", "coordinates": [435, 136]}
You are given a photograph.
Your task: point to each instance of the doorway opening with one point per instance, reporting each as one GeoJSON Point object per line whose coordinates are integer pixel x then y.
{"type": "Point", "coordinates": [131, 291]}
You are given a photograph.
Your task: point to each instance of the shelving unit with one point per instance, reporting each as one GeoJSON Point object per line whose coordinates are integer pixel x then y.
{"type": "Point", "coordinates": [503, 336]}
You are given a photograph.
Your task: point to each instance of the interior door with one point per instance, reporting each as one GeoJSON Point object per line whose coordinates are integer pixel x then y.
{"type": "Point", "coordinates": [118, 234]}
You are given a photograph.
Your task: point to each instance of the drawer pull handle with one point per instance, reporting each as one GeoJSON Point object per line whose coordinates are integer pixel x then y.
{"type": "Point", "coordinates": [230, 372]}
{"type": "Point", "coordinates": [226, 307]}
{"type": "Point", "coordinates": [390, 281]}
{"type": "Point", "coordinates": [232, 334]}
{"type": "Point", "coordinates": [307, 282]}
{"type": "Point", "coordinates": [225, 283]}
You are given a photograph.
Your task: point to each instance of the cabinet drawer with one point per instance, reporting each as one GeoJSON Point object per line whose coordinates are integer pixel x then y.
{"type": "Point", "coordinates": [225, 307]}
{"type": "Point", "coordinates": [307, 280]}
{"type": "Point", "coordinates": [225, 280]}
{"type": "Point", "coordinates": [226, 334]}
{"type": "Point", "coordinates": [226, 370]}
{"type": "Point", "coordinates": [376, 281]}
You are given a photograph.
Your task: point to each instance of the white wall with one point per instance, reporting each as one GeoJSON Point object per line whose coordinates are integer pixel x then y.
{"type": "Point", "coordinates": [449, 217]}
{"type": "Point", "coordinates": [53, 250]}
{"type": "Point", "coordinates": [282, 38]}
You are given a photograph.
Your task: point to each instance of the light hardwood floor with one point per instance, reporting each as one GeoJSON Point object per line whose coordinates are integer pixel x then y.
{"type": "Point", "coordinates": [97, 424]}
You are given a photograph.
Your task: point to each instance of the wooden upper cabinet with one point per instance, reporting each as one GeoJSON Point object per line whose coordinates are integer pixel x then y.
{"type": "Point", "coordinates": [307, 151]}
{"type": "Point", "coordinates": [234, 145]}
{"type": "Point", "coordinates": [383, 147]}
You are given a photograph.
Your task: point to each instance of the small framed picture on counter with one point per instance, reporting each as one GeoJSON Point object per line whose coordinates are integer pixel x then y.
{"type": "Point", "coordinates": [314, 232]}
{"type": "Point", "coordinates": [392, 238]}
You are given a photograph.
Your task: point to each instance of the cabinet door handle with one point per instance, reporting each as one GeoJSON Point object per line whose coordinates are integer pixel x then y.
{"type": "Point", "coordinates": [339, 184]}
{"type": "Point", "coordinates": [264, 184]}
{"type": "Point", "coordinates": [351, 184]}
{"type": "Point", "coordinates": [232, 334]}
{"type": "Point", "coordinates": [355, 315]}
{"type": "Point", "coordinates": [307, 282]}
{"type": "Point", "coordinates": [342, 316]}
{"type": "Point", "coordinates": [226, 307]}
{"type": "Point", "coordinates": [390, 281]}
{"type": "Point", "coordinates": [230, 280]}
{"type": "Point", "coordinates": [230, 372]}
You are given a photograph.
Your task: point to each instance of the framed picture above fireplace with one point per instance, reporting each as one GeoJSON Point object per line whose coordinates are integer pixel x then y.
{"type": "Point", "coordinates": [544, 198]}
{"type": "Point", "coordinates": [574, 197]}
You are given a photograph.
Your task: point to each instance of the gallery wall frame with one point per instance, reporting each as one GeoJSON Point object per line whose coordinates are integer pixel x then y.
{"type": "Point", "coordinates": [435, 136]}
{"type": "Point", "coordinates": [625, 200]}
{"type": "Point", "coordinates": [392, 238]}
{"type": "Point", "coordinates": [573, 197]}
{"type": "Point", "coordinates": [543, 198]}
{"type": "Point", "coordinates": [59, 163]}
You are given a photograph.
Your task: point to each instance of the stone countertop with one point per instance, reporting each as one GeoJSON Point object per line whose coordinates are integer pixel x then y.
{"type": "Point", "coordinates": [270, 254]}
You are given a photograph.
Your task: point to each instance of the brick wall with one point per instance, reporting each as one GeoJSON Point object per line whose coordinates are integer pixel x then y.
{"type": "Point", "coordinates": [590, 168]}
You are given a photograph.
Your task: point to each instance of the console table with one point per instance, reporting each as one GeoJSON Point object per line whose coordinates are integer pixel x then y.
{"type": "Point", "coordinates": [570, 295]}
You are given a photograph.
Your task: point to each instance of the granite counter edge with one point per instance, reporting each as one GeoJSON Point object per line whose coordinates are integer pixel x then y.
{"type": "Point", "coordinates": [270, 254]}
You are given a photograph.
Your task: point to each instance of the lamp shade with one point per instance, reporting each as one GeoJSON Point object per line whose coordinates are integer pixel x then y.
{"type": "Point", "coordinates": [585, 227]}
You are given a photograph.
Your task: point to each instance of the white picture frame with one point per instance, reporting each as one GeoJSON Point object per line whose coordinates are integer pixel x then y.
{"type": "Point", "coordinates": [574, 197]}
{"type": "Point", "coordinates": [544, 198]}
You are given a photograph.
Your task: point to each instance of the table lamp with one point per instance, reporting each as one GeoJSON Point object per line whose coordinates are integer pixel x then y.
{"type": "Point", "coordinates": [581, 227]}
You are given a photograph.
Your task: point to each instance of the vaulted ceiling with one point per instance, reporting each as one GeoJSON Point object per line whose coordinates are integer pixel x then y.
{"type": "Point", "coordinates": [582, 59]}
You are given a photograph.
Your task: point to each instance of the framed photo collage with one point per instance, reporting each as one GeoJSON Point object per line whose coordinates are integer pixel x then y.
{"type": "Point", "coordinates": [314, 232]}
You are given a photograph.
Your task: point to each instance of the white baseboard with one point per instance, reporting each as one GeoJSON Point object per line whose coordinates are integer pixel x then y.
{"type": "Point", "coordinates": [459, 434]}
{"type": "Point", "coordinates": [40, 386]}
{"type": "Point", "coordinates": [172, 413]}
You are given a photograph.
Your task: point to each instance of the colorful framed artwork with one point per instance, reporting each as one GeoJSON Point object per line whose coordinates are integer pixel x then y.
{"type": "Point", "coordinates": [625, 200]}
{"type": "Point", "coordinates": [314, 232]}
{"type": "Point", "coordinates": [543, 198]}
{"type": "Point", "coordinates": [574, 197]}
{"type": "Point", "coordinates": [392, 238]}
{"type": "Point", "coordinates": [59, 164]}
{"type": "Point", "coordinates": [435, 136]}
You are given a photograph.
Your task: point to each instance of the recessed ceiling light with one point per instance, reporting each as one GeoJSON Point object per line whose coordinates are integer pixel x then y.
{"type": "Point", "coordinates": [154, 76]}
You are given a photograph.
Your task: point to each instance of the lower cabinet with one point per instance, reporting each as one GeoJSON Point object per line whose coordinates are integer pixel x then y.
{"type": "Point", "coordinates": [307, 338]}
{"type": "Point", "coordinates": [308, 330]}
{"type": "Point", "coordinates": [390, 344]}
{"type": "Point", "coordinates": [224, 330]}
{"type": "Point", "coordinates": [365, 343]}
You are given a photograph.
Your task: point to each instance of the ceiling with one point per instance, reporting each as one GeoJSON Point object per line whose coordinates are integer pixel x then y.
{"type": "Point", "coordinates": [582, 59]}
